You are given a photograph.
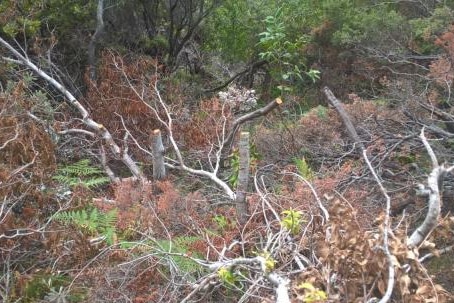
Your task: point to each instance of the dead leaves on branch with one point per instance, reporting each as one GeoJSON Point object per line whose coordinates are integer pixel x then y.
{"type": "Point", "coordinates": [354, 261]}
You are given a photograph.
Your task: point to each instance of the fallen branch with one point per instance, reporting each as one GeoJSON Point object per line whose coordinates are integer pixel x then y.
{"type": "Point", "coordinates": [434, 182]}
{"type": "Point", "coordinates": [345, 118]}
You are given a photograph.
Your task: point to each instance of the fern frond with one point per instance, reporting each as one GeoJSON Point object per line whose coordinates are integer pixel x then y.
{"type": "Point", "coordinates": [92, 221]}
{"type": "Point", "coordinates": [181, 245]}
{"type": "Point", "coordinates": [81, 173]}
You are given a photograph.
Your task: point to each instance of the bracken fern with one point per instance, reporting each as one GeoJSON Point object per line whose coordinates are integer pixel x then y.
{"type": "Point", "coordinates": [81, 173]}
{"type": "Point", "coordinates": [92, 221]}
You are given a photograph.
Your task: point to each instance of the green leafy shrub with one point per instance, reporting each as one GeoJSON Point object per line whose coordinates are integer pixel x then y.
{"type": "Point", "coordinates": [284, 53]}
{"type": "Point", "coordinates": [227, 276]}
{"type": "Point", "coordinates": [312, 294]}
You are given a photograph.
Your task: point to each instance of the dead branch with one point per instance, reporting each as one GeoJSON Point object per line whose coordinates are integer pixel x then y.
{"type": "Point", "coordinates": [435, 183]}
{"type": "Point", "coordinates": [16, 135]}
{"type": "Point", "coordinates": [163, 115]}
{"type": "Point", "coordinates": [320, 204]}
{"type": "Point", "coordinates": [345, 118]}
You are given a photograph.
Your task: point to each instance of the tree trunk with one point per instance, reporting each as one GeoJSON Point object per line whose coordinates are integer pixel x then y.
{"type": "Point", "coordinates": [159, 169]}
{"type": "Point", "coordinates": [243, 178]}
{"type": "Point", "coordinates": [94, 40]}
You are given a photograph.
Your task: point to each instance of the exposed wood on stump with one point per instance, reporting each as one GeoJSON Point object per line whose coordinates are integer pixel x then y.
{"type": "Point", "coordinates": [243, 178]}
{"type": "Point", "coordinates": [159, 169]}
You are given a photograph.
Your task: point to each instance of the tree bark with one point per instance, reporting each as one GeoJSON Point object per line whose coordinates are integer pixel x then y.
{"type": "Point", "coordinates": [435, 184]}
{"type": "Point", "coordinates": [243, 178]}
{"type": "Point", "coordinates": [159, 169]}
{"type": "Point", "coordinates": [94, 40]}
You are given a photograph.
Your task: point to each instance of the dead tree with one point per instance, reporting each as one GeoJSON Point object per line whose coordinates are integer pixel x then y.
{"type": "Point", "coordinates": [95, 39]}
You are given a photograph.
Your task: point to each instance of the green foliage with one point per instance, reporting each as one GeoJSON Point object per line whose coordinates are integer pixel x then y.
{"type": "Point", "coordinates": [270, 263]}
{"type": "Point", "coordinates": [312, 294]}
{"type": "Point", "coordinates": [371, 27]}
{"type": "Point", "coordinates": [235, 166]}
{"type": "Point", "coordinates": [222, 222]}
{"type": "Point", "coordinates": [92, 222]}
{"type": "Point", "coordinates": [81, 173]}
{"type": "Point", "coordinates": [304, 169]}
{"type": "Point", "coordinates": [40, 285]}
{"type": "Point", "coordinates": [254, 157]}
{"type": "Point", "coordinates": [227, 276]}
{"type": "Point", "coordinates": [292, 220]}
{"type": "Point", "coordinates": [426, 29]}
{"type": "Point", "coordinates": [180, 245]}
{"type": "Point", "coordinates": [322, 112]}
{"type": "Point", "coordinates": [284, 53]}
{"type": "Point", "coordinates": [230, 29]}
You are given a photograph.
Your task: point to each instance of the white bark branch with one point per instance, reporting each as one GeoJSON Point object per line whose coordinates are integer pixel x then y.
{"type": "Point", "coordinates": [434, 182]}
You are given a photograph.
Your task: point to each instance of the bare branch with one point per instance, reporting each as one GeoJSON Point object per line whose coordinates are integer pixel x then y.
{"type": "Point", "coordinates": [76, 130]}
{"type": "Point", "coordinates": [16, 135]}
{"type": "Point", "coordinates": [320, 204]}
{"type": "Point", "coordinates": [434, 182]}
{"type": "Point", "coordinates": [345, 118]}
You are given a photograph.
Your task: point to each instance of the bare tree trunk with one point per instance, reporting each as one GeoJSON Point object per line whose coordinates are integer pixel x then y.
{"type": "Point", "coordinates": [159, 169]}
{"type": "Point", "coordinates": [94, 40]}
{"type": "Point", "coordinates": [243, 178]}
